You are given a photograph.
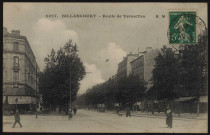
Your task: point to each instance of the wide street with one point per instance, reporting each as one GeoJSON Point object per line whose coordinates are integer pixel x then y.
{"type": "Point", "coordinates": [92, 121]}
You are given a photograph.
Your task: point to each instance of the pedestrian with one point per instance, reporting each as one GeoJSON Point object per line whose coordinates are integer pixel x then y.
{"type": "Point", "coordinates": [41, 109]}
{"type": "Point", "coordinates": [59, 110]}
{"type": "Point", "coordinates": [75, 110]}
{"type": "Point", "coordinates": [169, 117]}
{"type": "Point", "coordinates": [128, 112]}
{"type": "Point", "coordinates": [17, 119]}
{"type": "Point", "coordinates": [70, 114]}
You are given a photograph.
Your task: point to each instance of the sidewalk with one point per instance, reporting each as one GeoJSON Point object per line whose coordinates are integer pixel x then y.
{"type": "Point", "coordinates": [202, 116]}
{"type": "Point", "coordinates": [175, 116]}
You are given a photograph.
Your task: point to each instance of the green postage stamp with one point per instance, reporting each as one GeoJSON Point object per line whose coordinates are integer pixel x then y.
{"type": "Point", "coordinates": [182, 27]}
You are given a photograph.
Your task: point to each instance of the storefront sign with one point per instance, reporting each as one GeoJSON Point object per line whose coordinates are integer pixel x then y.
{"type": "Point", "coordinates": [21, 99]}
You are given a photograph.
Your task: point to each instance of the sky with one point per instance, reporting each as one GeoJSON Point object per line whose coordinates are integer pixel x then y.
{"type": "Point", "coordinates": [98, 38]}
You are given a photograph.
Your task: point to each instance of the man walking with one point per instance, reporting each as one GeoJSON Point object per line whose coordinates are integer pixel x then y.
{"type": "Point", "coordinates": [169, 117]}
{"type": "Point", "coordinates": [17, 119]}
{"type": "Point", "coordinates": [70, 114]}
{"type": "Point", "coordinates": [128, 112]}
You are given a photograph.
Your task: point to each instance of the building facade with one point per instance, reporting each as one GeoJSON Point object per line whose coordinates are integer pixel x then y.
{"type": "Point", "coordinates": [124, 67]}
{"type": "Point", "coordinates": [20, 72]}
{"type": "Point", "coordinates": [144, 64]}
{"type": "Point", "coordinates": [137, 67]}
{"type": "Point", "coordinates": [143, 67]}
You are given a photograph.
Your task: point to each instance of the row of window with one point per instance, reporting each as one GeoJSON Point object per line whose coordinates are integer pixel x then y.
{"type": "Point", "coordinates": [16, 72]}
{"type": "Point", "coordinates": [16, 77]}
{"type": "Point", "coordinates": [16, 62]}
{"type": "Point", "coordinates": [15, 46]}
{"type": "Point", "coordinates": [138, 72]}
{"type": "Point", "coordinates": [139, 64]}
{"type": "Point", "coordinates": [16, 49]}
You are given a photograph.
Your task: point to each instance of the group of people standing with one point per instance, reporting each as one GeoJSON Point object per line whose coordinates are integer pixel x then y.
{"type": "Point", "coordinates": [128, 111]}
{"type": "Point", "coordinates": [168, 112]}
{"type": "Point", "coordinates": [17, 116]}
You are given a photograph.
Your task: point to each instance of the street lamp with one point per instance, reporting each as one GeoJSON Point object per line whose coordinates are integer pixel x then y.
{"type": "Point", "coordinates": [36, 106]}
{"type": "Point", "coordinates": [16, 100]}
{"type": "Point", "coordinates": [36, 92]}
{"type": "Point", "coordinates": [70, 87]}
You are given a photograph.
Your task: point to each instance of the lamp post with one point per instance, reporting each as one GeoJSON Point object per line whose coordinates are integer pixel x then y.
{"type": "Point", "coordinates": [16, 100]}
{"type": "Point", "coordinates": [70, 103]}
{"type": "Point", "coordinates": [36, 92]}
{"type": "Point", "coordinates": [36, 105]}
{"type": "Point", "coordinates": [70, 87]}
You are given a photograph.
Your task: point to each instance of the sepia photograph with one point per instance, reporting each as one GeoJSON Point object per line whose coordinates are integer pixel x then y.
{"type": "Point", "coordinates": [95, 67]}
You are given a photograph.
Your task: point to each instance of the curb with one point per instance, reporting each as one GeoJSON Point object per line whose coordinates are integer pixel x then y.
{"type": "Point", "coordinates": [177, 118]}
{"type": "Point", "coordinates": [162, 117]}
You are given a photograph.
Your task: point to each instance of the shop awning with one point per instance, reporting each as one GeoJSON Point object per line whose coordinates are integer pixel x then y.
{"type": "Point", "coordinates": [26, 91]}
{"type": "Point", "coordinates": [203, 99]}
{"type": "Point", "coordinates": [21, 100]}
{"type": "Point", "coordinates": [184, 98]}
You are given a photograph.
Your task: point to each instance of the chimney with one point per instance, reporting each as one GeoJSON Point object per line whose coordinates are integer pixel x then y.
{"type": "Point", "coordinates": [15, 32]}
{"type": "Point", "coordinates": [5, 31]}
{"type": "Point", "coordinates": [130, 54]}
{"type": "Point", "coordinates": [148, 49]}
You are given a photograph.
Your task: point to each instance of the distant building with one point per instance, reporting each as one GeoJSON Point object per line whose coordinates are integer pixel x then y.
{"type": "Point", "coordinates": [124, 67]}
{"type": "Point", "coordinates": [113, 78]}
{"type": "Point", "coordinates": [143, 65]}
{"type": "Point", "coordinates": [137, 66]}
{"type": "Point", "coordinates": [20, 72]}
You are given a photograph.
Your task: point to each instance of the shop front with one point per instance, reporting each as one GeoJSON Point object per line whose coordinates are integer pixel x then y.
{"type": "Point", "coordinates": [25, 104]}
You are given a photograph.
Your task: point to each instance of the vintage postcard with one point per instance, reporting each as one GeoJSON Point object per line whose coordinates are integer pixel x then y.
{"type": "Point", "coordinates": [105, 67]}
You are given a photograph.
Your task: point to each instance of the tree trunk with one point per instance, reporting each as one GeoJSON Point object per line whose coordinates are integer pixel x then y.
{"type": "Point", "coordinates": [152, 106]}
{"type": "Point", "coordinates": [133, 107]}
{"type": "Point", "coordinates": [198, 107]}
{"type": "Point", "coordinates": [172, 104]}
{"type": "Point", "coordinates": [179, 108]}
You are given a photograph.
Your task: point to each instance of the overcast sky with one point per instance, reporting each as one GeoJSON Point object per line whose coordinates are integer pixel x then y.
{"type": "Point", "coordinates": [98, 38]}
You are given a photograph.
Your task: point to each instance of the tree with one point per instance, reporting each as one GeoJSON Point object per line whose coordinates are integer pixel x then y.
{"type": "Point", "coordinates": [194, 63]}
{"type": "Point", "coordinates": [131, 90]}
{"type": "Point", "coordinates": [55, 79]}
{"type": "Point", "coordinates": [125, 91]}
{"type": "Point", "coordinates": [166, 74]}
{"type": "Point", "coordinates": [188, 71]}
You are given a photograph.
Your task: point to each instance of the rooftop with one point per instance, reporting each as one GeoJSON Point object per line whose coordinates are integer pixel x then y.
{"type": "Point", "coordinates": [16, 34]}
